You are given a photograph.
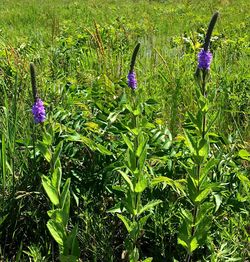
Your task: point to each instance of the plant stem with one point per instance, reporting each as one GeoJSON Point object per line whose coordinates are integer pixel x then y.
{"type": "Point", "coordinates": [204, 95]}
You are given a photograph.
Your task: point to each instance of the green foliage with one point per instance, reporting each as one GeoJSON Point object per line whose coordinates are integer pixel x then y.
{"type": "Point", "coordinates": [102, 151]}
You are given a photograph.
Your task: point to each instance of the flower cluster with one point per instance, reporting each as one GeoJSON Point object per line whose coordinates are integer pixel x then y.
{"type": "Point", "coordinates": [132, 80]}
{"type": "Point", "coordinates": [38, 111]}
{"type": "Point", "coordinates": [204, 59]}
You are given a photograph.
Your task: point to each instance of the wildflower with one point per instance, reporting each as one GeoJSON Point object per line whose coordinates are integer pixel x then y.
{"type": "Point", "coordinates": [132, 80]}
{"type": "Point", "coordinates": [38, 111]}
{"type": "Point", "coordinates": [204, 59]}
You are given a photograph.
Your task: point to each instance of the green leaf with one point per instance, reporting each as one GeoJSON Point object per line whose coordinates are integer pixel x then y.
{"type": "Point", "coordinates": [47, 138]}
{"type": "Point", "coordinates": [50, 190]}
{"type": "Point", "coordinates": [245, 180]}
{"type": "Point", "coordinates": [56, 177]}
{"type": "Point", "coordinates": [175, 184]}
{"type": "Point", "coordinates": [71, 246]}
{"type": "Point", "coordinates": [128, 142]}
{"type": "Point", "coordinates": [83, 139]}
{"type": "Point", "coordinates": [202, 195]}
{"type": "Point", "coordinates": [203, 149]}
{"type": "Point", "coordinates": [142, 159]}
{"type": "Point", "coordinates": [148, 259]}
{"type": "Point", "coordinates": [56, 155]}
{"type": "Point", "coordinates": [127, 179]}
{"type": "Point", "coordinates": [126, 222]}
{"type": "Point", "coordinates": [65, 198]}
{"type": "Point", "coordinates": [244, 154]}
{"type": "Point", "coordinates": [141, 185]}
{"type": "Point", "coordinates": [186, 215]}
{"type": "Point", "coordinates": [218, 201]}
{"type": "Point", "coordinates": [44, 149]}
{"type": "Point", "coordinates": [57, 231]}
{"type": "Point", "coordinates": [193, 245]}
{"type": "Point", "coordinates": [149, 205]}
{"type": "Point", "coordinates": [115, 209]}
{"type": "Point", "coordinates": [183, 243]}
{"type": "Point", "coordinates": [142, 146]}
{"type": "Point", "coordinates": [103, 150]}
{"type": "Point", "coordinates": [57, 215]}
{"type": "Point", "coordinates": [143, 220]}
{"type": "Point", "coordinates": [204, 210]}
{"type": "Point", "coordinates": [190, 142]}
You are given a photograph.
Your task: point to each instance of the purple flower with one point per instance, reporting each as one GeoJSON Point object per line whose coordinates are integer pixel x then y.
{"type": "Point", "coordinates": [38, 111]}
{"type": "Point", "coordinates": [204, 59]}
{"type": "Point", "coordinates": [132, 80]}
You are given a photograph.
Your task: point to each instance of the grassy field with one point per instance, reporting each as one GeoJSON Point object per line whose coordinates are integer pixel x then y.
{"type": "Point", "coordinates": [113, 174]}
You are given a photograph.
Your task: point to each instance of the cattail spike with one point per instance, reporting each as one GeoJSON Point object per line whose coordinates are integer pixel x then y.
{"type": "Point", "coordinates": [33, 81]}
{"type": "Point", "coordinates": [210, 30]}
{"type": "Point", "coordinates": [132, 64]}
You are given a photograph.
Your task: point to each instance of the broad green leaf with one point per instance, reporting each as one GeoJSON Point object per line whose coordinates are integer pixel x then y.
{"type": "Point", "coordinates": [245, 180]}
{"type": "Point", "coordinates": [178, 185]}
{"type": "Point", "coordinates": [115, 209]}
{"type": "Point", "coordinates": [208, 166]}
{"type": "Point", "coordinates": [131, 160]}
{"type": "Point", "coordinates": [142, 159]}
{"type": "Point", "coordinates": [204, 210]}
{"type": "Point", "coordinates": [128, 142]}
{"type": "Point", "coordinates": [148, 259]}
{"type": "Point", "coordinates": [65, 192]}
{"type": "Point", "coordinates": [186, 215]}
{"type": "Point", "coordinates": [126, 222]}
{"type": "Point", "coordinates": [119, 188]}
{"type": "Point", "coordinates": [143, 220]}
{"type": "Point", "coordinates": [47, 138]}
{"type": "Point", "coordinates": [183, 243]}
{"type": "Point", "coordinates": [65, 199]}
{"type": "Point", "coordinates": [193, 245]}
{"type": "Point", "coordinates": [127, 179]}
{"type": "Point", "coordinates": [136, 112]}
{"type": "Point", "coordinates": [244, 154]}
{"type": "Point", "coordinates": [218, 201]}
{"type": "Point", "coordinates": [57, 231]}
{"type": "Point", "coordinates": [71, 246]}
{"type": "Point", "coordinates": [190, 142]}
{"type": "Point", "coordinates": [142, 146]}
{"type": "Point", "coordinates": [56, 177]}
{"type": "Point", "coordinates": [202, 195]}
{"type": "Point", "coordinates": [57, 215]}
{"type": "Point", "coordinates": [44, 149]}
{"type": "Point", "coordinates": [50, 190]}
{"type": "Point", "coordinates": [83, 139]}
{"type": "Point", "coordinates": [141, 185]}
{"type": "Point", "coordinates": [192, 187]}
{"type": "Point", "coordinates": [136, 131]}
{"type": "Point", "coordinates": [196, 123]}
{"type": "Point", "coordinates": [149, 205]}
{"type": "Point", "coordinates": [128, 202]}
{"type": "Point", "coordinates": [103, 150]}
{"type": "Point", "coordinates": [203, 148]}
{"type": "Point", "coordinates": [56, 155]}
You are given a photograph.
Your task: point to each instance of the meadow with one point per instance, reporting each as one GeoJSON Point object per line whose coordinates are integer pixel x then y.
{"type": "Point", "coordinates": [157, 170]}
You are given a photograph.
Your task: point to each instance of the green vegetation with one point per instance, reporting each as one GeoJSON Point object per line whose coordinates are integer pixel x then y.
{"type": "Point", "coordinates": [113, 174]}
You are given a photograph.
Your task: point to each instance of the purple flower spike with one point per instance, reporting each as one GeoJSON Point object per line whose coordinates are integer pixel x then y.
{"type": "Point", "coordinates": [38, 111]}
{"type": "Point", "coordinates": [132, 80]}
{"type": "Point", "coordinates": [204, 59]}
